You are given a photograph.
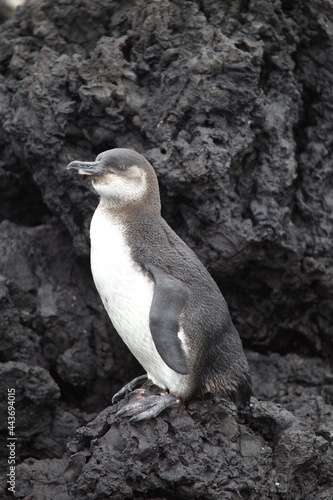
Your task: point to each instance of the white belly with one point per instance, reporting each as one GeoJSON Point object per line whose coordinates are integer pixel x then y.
{"type": "Point", "coordinates": [127, 295]}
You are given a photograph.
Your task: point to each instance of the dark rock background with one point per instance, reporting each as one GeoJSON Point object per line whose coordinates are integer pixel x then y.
{"type": "Point", "coordinates": [231, 101]}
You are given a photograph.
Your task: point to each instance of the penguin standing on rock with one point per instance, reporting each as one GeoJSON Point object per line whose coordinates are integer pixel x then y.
{"type": "Point", "coordinates": [160, 298]}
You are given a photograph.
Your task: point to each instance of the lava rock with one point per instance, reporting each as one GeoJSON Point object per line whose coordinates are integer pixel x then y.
{"type": "Point", "coordinates": [35, 399]}
{"type": "Point", "coordinates": [232, 111]}
{"type": "Point", "coordinates": [36, 476]}
{"type": "Point", "coordinates": [202, 451]}
{"type": "Point", "coordinates": [232, 104]}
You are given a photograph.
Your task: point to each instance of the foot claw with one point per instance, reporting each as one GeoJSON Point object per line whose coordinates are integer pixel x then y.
{"type": "Point", "coordinates": [148, 407]}
{"type": "Point", "coordinates": [129, 387]}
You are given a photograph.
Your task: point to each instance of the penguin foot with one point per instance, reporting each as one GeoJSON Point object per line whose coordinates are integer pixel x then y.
{"type": "Point", "coordinates": [129, 387]}
{"type": "Point", "coordinates": [149, 407]}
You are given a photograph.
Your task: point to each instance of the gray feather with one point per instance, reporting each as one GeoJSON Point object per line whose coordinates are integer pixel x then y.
{"type": "Point", "coordinates": [170, 296]}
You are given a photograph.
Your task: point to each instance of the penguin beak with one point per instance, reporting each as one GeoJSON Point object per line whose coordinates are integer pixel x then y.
{"type": "Point", "coordinates": [86, 167]}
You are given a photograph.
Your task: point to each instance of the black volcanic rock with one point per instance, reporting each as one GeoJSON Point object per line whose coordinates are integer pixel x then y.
{"type": "Point", "coordinates": [232, 104]}
{"type": "Point", "coordinates": [232, 111]}
{"type": "Point", "coordinates": [203, 451]}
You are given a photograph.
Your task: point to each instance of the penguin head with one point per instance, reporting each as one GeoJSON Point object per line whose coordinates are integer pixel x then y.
{"type": "Point", "coordinates": [121, 176]}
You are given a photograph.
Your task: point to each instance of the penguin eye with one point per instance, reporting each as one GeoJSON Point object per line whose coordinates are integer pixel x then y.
{"type": "Point", "coordinates": [121, 167]}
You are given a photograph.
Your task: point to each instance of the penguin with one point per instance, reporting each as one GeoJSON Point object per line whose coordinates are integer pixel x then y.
{"type": "Point", "coordinates": [158, 295]}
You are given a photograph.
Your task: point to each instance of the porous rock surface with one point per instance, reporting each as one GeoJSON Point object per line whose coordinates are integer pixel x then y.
{"type": "Point", "coordinates": [205, 451]}
{"type": "Point", "coordinates": [231, 101]}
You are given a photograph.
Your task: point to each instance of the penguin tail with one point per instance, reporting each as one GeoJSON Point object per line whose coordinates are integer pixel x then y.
{"type": "Point", "coordinates": [238, 390]}
{"type": "Point", "coordinates": [242, 394]}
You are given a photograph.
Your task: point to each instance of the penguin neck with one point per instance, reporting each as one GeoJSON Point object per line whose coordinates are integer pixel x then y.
{"type": "Point", "coordinates": [134, 213]}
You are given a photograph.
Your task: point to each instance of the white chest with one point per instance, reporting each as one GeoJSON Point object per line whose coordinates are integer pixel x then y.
{"type": "Point", "coordinates": [127, 294]}
{"type": "Point", "coordinates": [124, 289]}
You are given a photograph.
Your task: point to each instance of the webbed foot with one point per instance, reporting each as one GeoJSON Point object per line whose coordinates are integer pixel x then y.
{"type": "Point", "coordinates": [143, 407]}
{"type": "Point", "coordinates": [129, 387]}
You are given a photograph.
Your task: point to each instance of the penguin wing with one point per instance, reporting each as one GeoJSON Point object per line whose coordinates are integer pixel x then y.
{"type": "Point", "coordinates": [169, 299]}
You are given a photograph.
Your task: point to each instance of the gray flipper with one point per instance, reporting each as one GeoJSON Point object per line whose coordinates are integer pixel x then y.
{"type": "Point", "coordinates": [170, 296]}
